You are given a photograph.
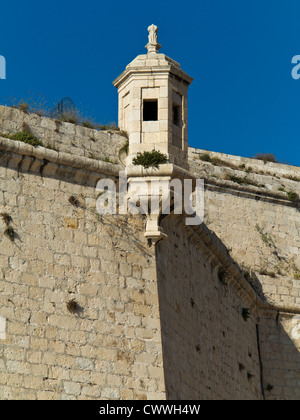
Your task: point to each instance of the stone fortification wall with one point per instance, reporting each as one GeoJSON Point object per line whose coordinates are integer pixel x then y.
{"type": "Point", "coordinates": [253, 207]}
{"type": "Point", "coordinates": [199, 317]}
{"type": "Point", "coordinates": [63, 136]}
{"type": "Point", "coordinates": [210, 345]}
{"type": "Point", "coordinates": [62, 251]}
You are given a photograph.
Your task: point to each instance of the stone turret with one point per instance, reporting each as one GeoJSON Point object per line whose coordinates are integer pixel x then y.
{"type": "Point", "coordinates": [153, 103]}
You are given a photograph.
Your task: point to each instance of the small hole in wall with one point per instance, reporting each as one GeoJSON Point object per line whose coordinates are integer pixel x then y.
{"type": "Point", "coordinates": [222, 275]}
{"type": "Point", "coordinates": [246, 314]}
{"type": "Point", "coordinates": [250, 376]}
{"type": "Point", "coordinates": [192, 302]}
{"type": "Point", "coordinates": [150, 110]}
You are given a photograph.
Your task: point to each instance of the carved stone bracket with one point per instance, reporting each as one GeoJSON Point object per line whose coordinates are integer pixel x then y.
{"type": "Point", "coordinates": [153, 230]}
{"type": "Point", "coordinates": [145, 196]}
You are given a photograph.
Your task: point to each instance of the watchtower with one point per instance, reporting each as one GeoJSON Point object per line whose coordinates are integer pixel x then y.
{"type": "Point", "coordinates": [153, 103]}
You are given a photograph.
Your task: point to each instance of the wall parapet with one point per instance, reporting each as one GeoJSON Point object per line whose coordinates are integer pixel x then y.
{"type": "Point", "coordinates": [64, 136]}
{"type": "Point", "coordinates": [251, 177]}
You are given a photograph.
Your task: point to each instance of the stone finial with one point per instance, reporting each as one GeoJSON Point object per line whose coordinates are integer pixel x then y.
{"type": "Point", "coordinates": [153, 46]}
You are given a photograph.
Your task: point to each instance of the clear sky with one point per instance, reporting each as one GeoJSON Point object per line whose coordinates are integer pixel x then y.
{"type": "Point", "coordinates": [242, 101]}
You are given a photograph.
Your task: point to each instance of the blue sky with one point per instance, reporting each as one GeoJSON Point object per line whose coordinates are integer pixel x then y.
{"type": "Point", "coordinates": [243, 99]}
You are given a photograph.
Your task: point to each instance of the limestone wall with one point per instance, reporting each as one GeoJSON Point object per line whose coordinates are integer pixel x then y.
{"type": "Point", "coordinates": [209, 314]}
{"type": "Point", "coordinates": [248, 205]}
{"type": "Point", "coordinates": [257, 222]}
{"type": "Point", "coordinates": [210, 350]}
{"type": "Point", "coordinates": [63, 250]}
{"type": "Point", "coordinates": [280, 355]}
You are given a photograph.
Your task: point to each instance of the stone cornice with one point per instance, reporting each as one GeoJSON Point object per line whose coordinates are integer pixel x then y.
{"type": "Point", "coordinates": [59, 158]}
{"type": "Point", "coordinates": [248, 191]}
{"type": "Point", "coordinates": [149, 70]}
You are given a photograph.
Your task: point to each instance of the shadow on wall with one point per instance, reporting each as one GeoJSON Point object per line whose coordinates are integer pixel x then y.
{"type": "Point", "coordinates": [281, 357]}
{"type": "Point", "coordinates": [210, 348]}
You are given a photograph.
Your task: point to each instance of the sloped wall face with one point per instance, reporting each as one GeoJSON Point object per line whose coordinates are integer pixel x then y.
{"type": "Point", "coordinates": [209, 350]}
{"type": "Point", "coordinates": [263, 237]}
{"type": "Point", "coordinates": [280, 344]}
{"type": "Point", "coordinates": [254, 209]}
{"type": "Point", "coordinates": [64, 252]}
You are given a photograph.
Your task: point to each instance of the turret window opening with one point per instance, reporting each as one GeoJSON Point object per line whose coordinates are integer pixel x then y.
{"type": "Point", "coordinates": [150, 110]}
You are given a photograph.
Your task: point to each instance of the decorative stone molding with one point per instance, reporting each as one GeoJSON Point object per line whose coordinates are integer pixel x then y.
{"type": "Point", "coordinates": [59, 158]}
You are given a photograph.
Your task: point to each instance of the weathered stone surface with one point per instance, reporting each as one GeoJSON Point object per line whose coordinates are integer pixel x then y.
{"type": "Point", "coordinates": [208, 314]}
{"type": "Point", "coordinates": [64, 252]}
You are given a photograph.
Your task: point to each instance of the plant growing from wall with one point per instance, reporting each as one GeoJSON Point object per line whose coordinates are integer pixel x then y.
{"type": "Point", "coordinates": [243, 180]}
{"type": "Point", "coordinates": [249, 376]}
{"type": "Point", "coordinates": [88, 124]}
{"type": "Point", "coordinates": [266, 157]}
{"type": "Point", "coordinates": [248, 275]}
{"type": "Point", "coordinates": [10, 233]}
{"type": "Point", "coordinates": [50, 147]}
{"type": "Point", "coordinates": [267, 239]}
{"type": "Point", "coordinates": [283, 265]}
{"type": "Point", "coordinates": [205, 157]}
{"type": "Point", "coordinates": [7, 219]}
{"type": "Point", "coordinates": [150, 159]}
{"type": "Point", "coordinates": [107, 160]}
{"type": "Point", "coordinates": [75, 202]}
{"type": "Point", "coordinates": [25, 137]}
{"type": "Point", "coordinates": [241, 367]}
{"type": "Point", "coordinates": [265, 272]}
{"type": "Point", "coordinates": [246, 314]}
{"type": "Point", "coordinates": [192, 302]}
{"type": "Point", "coordinates": [23, 106]}
{"type": "Point", "coordinates": [124, 133]}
